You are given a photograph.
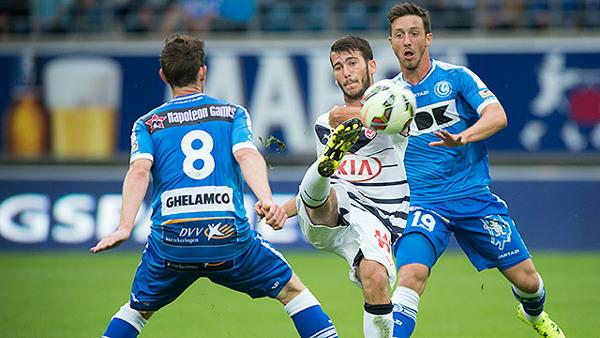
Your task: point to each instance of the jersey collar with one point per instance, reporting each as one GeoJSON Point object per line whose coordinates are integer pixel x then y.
{"type": "Point", "coordinates": [400, 76]}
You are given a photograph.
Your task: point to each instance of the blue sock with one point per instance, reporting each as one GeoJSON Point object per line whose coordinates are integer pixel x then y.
{"type": "Point", "coordinates": [118, 328]}
{"type": "Point", "coordinates": [533, 303]}
{"type": "Point", "coordinates": [406, 305]}
{"type": "Point", "coordinates": [126, 323]}
{"type": "Point", "coordinates": [309, 318]}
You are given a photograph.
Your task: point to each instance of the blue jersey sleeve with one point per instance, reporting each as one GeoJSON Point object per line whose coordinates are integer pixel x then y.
{"type": "Point", "coordinates": [141, 143]}
{"type": "Point", "coordinates": [241, 134]}
{"type": "Point", "coordinates": [474, 91]}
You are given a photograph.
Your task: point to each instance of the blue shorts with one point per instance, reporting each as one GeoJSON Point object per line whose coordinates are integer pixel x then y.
{"type": "Point", "coordinates": [258, 272]}
{"type": "Point", "coordinates": [481, 225]}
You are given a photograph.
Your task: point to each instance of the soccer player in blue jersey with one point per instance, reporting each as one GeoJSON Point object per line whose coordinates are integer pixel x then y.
{"type": "Point", "coordinates": [199, 150]}
{"type": "Point", "coordinates": [448, 174]}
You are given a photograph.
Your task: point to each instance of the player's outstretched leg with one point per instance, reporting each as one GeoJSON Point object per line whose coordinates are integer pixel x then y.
{"type": "Point", "coordinates": [305, 310]}
{"type": "Point", "coordinates": [340, 141]}
{"type": "Point", "coordinates": [531, 311]}
{"type": "Point", "coordinates": [126, 323]}
{"type": "Point", "coordinates": [315, 187]}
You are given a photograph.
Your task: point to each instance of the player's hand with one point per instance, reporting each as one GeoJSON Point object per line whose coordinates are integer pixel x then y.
{"type": "Point", "coordinates": [259, 210]}
{"type": "Point", "coordinates": [111, 241]}
{"type": "Point", "coordinates": [339, 114]}
{"type": "Point", "coordinates": [448, 140]}
{"type": "Point", "coordinates": [275, 215]}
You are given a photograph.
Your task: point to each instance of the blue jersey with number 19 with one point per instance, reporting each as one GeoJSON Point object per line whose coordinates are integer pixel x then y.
{"type": "Point", "coordinates": [449, 97]}
{"type": "Point", "coordinates": [198, 212]}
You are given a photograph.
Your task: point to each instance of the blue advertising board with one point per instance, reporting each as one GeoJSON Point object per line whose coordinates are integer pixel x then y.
{"type": "Point", "coordinates": [72, 208]}
{"type": "Point", "coordinates": [550, 88]}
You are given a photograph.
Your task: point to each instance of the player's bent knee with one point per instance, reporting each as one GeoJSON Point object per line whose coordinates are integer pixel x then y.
{"type": "Point", "coordinates": [146, 314]}
{"type": "Point", "coordinates": [413, 276]}
{"type": "Point", "coordinates": [524, 276]}
{"type": "Point", "coordinates": [373, 275]}
{"type": "Point", "coordinates": [292, 289]}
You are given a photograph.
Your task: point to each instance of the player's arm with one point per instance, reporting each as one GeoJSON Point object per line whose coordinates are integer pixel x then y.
{"type": "Point", "coordinates": [493, 119]}
{"type": "Point", "coordinates": [289, 207]}
{"type": "Point", "coordinates": [134, 189]}
{"type": "Point", "coordinates": [339, 114]}
{"type": "Point", "coordinates": [254, 170]}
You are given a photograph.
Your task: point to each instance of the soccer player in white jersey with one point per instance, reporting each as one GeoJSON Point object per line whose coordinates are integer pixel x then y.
{"type": "Point", "coordinates": [447, 166]}
{"type": "Point", "coordinates": [353, 201]}
{"type": "Point", "coordinates": [199, 150]}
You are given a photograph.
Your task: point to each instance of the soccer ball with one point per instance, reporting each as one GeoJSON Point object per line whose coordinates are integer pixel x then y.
{"type": "Point", "coordinates": [388, 107]}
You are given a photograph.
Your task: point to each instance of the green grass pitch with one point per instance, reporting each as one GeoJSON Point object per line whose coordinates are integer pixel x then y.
{"type": "Point", "coordinates": [75, 294]}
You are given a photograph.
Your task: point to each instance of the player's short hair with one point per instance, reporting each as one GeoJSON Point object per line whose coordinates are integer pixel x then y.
{"type": "Point", "coordinates": [409, 8]}
{"type": "Point", "coordinates": [353, 43]}
{"type": "Point", "coordinates": [181, 59]}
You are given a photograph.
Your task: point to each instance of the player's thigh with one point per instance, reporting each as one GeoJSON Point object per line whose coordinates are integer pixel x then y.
{"type": "Point", "coordinates": [425, 238]}
{"type": "Point", "coordinates": [325, 236]}
{"type": "Point", "coordinates": [155, 285]}
{"type": "Point", "coordinates": [491, 242]}
{"type": "Point", "coordinates": [326, 214]}
{"type": "Point", "coordinates": [261, 271]}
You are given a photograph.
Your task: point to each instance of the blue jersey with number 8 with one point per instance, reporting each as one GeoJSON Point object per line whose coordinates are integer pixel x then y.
{"type": "Point", "coordinates": [198, 212]}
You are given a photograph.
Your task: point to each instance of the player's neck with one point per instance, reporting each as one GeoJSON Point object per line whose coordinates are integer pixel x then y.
{"type": "Point", "coordinates": [352, 103]}
{"type": "Point", "coordinates": [190, 89]}
{"type": "Point", "coordinates": [414, 76]}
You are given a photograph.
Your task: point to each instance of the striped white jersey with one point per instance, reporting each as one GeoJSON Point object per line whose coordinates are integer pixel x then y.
{"type": "Point", "coordinates": [372, 172]}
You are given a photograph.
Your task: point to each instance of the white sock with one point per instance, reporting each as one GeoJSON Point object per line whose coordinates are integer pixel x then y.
{"type": "Point", "coordinates": [131, 316]}
{"type": "Point", "coordinates": [407, 298]}
{"type": "Point", "coordinates": [303, 300]}
{"type": "Point", "coordinates": [378, 326]}
{"type": "Point", "coordinates": [314, 188]}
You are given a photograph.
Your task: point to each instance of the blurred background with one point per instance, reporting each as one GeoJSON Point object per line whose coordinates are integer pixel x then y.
{"type": "Point", "coordinates": [76, 74]}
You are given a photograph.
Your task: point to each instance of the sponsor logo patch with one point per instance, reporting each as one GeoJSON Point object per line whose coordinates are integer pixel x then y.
{"type": "Point", "coordinates": [184, 200]}
{"type": "Point", "coordinates": [358, 168]}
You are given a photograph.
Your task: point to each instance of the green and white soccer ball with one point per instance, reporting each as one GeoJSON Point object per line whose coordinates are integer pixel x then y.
{"type": "Point", "coordinates": [388, 107]}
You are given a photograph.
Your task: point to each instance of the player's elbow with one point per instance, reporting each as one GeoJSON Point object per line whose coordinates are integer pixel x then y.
{"type": "Point", "coordinates": [140, 169]}
{"type": "Point", "coordinates": [247, 155]}
{"type": "Point", "coordinates": [502, 122]}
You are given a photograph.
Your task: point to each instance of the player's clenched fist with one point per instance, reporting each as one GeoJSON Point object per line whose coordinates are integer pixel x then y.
{"type": "Point", "coordinates": [275, 216]}
{"type": "Point", "coordinates": [339, 114]}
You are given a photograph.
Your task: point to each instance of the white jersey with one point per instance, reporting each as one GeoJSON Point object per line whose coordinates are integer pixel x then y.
{"type": "Point", "coordinates": [372, 173]}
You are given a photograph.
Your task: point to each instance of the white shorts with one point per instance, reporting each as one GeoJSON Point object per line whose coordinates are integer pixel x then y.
{"type": "Point", "coordinates": [364, 232]}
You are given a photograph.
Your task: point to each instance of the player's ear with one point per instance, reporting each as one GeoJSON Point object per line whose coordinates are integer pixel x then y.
{"type": "Point", "coordinates": [428, 39]}
{"type": "Point", "coordinates": [163, 77]}
{"type": "Point", "coordinates": [372, 66]}
{"type": "Point", "coordinates": [202, 73]}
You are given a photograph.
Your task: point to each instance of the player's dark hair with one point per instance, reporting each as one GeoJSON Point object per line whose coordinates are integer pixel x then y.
{"type": "Point", "coordinates": [353, 43]}
{"type": "Point", "coordinates": [181, 59]}
{"type": "Point", "coordinates": [409, 8]}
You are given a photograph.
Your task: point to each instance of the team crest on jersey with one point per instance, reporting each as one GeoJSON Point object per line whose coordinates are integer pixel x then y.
{"type": "Point", "coordinates": [358, 168]}
{"type": "Point", "coordinates": [499, 230]}
{"type": "Point", "coordinates": [156, 122]}
{"type": "Point", "coordinates": [370, 133]}
{"type": "Point", "coordinates": [219, 231]}
{"type": "Point", "coordinates": [442, 88]}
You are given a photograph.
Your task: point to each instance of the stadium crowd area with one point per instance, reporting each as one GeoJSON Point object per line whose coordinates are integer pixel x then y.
{"type": "Point", "coordinates": [73, 17]}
